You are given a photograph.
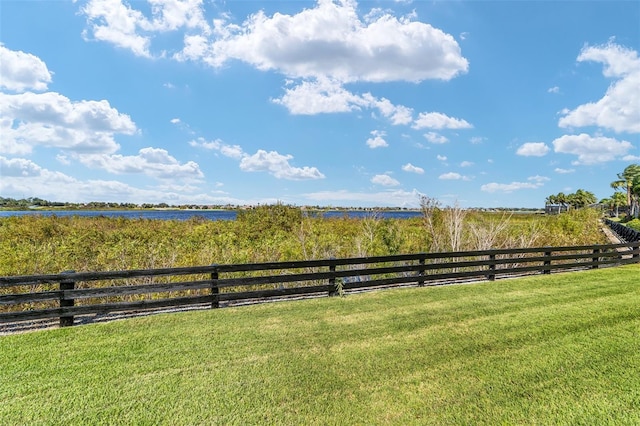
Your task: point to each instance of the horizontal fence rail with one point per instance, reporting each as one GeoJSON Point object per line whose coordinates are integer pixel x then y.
{"type": "Point", "coordinates": [70, 295]}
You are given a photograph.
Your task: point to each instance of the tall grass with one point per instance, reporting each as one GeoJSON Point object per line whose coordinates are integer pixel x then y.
{"type": "Point", "coordinates": [41, 244]}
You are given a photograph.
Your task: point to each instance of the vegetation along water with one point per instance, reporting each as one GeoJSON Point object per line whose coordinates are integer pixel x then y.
{"type": "Point", "coordinates": [52, 244]}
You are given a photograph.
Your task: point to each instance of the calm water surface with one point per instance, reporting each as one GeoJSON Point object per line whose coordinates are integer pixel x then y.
{"type": "Point", "coordinates": [206, 214]}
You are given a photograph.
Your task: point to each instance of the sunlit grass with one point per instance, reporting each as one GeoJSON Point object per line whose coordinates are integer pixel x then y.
{"type": "Point", "coordinates": [559, 349]}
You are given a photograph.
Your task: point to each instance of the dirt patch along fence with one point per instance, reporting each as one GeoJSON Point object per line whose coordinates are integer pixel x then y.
{"type": "Point", "coordinates": [71, 295]}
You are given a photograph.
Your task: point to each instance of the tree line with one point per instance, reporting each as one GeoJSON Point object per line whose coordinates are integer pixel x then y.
{"type": "Point", "coordinates": [626, 194]}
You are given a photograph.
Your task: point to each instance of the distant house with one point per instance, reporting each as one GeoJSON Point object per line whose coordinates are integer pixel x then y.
{"type": "Point", "coordinates": [555, 208]}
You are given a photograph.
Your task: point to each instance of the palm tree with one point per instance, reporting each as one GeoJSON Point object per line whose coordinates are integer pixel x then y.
{"type": "Point", "coordinates": [629, 181]}
{"type": "Point", "coordinates": [618, 199]}
{"type": "Point", "coordinates": [562, 200]}
{"type": "Point", "coordinates": [582, 198]}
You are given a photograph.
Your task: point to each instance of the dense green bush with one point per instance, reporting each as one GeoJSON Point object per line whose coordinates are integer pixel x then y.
{"type": "Point", "coordinates": [634, 224]}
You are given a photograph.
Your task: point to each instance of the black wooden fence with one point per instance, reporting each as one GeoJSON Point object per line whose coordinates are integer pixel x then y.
{"type": "Point", "coordinates": [624, 232]}
{"type": "Point", "coordinates": [69, 296]}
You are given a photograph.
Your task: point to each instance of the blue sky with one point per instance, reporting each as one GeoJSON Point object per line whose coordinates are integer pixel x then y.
{"type": "Point", "coordinates": [331, 103]}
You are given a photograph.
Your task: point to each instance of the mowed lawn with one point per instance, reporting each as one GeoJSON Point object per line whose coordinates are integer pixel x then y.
{"type": "Point", "coordinates": [558, 349]}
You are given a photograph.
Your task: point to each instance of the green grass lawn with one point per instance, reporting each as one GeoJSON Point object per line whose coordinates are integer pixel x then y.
{"type": "Point", "coordinates": [558, 349]}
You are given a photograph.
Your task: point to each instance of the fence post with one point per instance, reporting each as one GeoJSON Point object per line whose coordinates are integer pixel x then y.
{"type": "Point", "coordinates": [421, 261]}
{"type": "Point", "coordinates": [65, 302]}
{"type": "Point", "coordinates": [547, 262]}
{"type": "Point", "coordinates": [595, 259]}
{"type": "Point", "coordinates": [215, 291]}
{"type": "Point", "coordinates": [637, 247]}
{"type": "Point", "coordinates": [332, 279]}
{"type": "Point", "coordinates": [492, 267]}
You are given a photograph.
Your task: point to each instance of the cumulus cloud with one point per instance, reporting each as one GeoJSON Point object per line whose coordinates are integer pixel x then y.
{"type": "Point", "coordinates": [384, 180]}
{"type": "Point", "coordinates": [441, 157]}
{"type": "Point", "coordinates": [22, 71]}
{"type": "Point", "coordinates": [318, 97]}
{"type": "Point", "coordinates": [154, 162]}
{"type": "Point", "coordinates": [397, 114]}
{"type": "Point", "coordinates": [331, 40]}
{"type": "Point", "coordinates": [232, 151]}
{"type": "Point", "coordinates": [533, 149]}
{"type": "Point", "coordinates": [278, 166]}
{"type": "Point", "coordinates": [115, 22]}
{"type": "Point", "coordinates": [18, 167]}
{"type": "Point", "coordinates": [438, 120]}
{"type": "Point", "coordinates": [377, 141]}
{"type": "Point", "coordinates": [554, 89]}
{"type": "Point", "coordinates": [434, 137]}
{"type": "Point", "coordinates": [466, 164]}
{"type": "Point", "coordinates": [323, 96]}
{"type": "Point", "coordinates": [328, 40]}
{"type": "Point", "coordinates": [22, 176]}
{"type": "Point", "coordinates": [453, 176]}
{"type": "Point", "coordinates": [591, 149]}
{"type": "Point", "coordinates": [262, 161]}
{"type": "Point", "coordinates": [320, 48]}
{"type": "Point", "coordinates": [618, 109]}
{"type": "Point", "coordinates": [410, 168]}
{"type": "Point", "coordinates": [53, 120]}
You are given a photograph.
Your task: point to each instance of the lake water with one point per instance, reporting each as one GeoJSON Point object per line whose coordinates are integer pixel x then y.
{"type": "Point", "coordinates": [206, 214]}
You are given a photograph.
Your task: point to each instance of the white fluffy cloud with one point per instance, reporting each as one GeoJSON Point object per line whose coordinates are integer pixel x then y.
{"type": "Point", "coordinates": [438, 120]}
{"type": "Point", "coordinates": [115, 22]}
{"type": "Point", "coordinates": [155, 162]}
{"type": "Point", "coordinates": [278, 166]}
{"type": "Point", "coordinates": [18, 167]}
{"type": "Point", "coordinates": [434, 137]}
{"type": "Point", "coordinates": [453, 176]}
{"type": "Point", "coordinates": [82, 130]}
{"type": "Point", "coordinates": [377, 141]}
{"type": "Point", "coordinates": [410, 168]}
{"type": "Point", "coordinates": [232, 151]}
{"type": "Point", "coordinates": [22, 176]}
{"type": "Point", "coordinates": [322, 96]}
{"type": "Point", "coordinates": [397, 114]}
{"type": "Point", "coordinates": [262, 161]}
{"type": "Point", "coordinates": [591, 149]}
{"type": "Point", "coordinates": [50, 119]}
{"type": "Point", "coordinates": [328, 40]}
{"type": "Point", "coordinates": [322, 48]}
{"type": "Point", "coordinates": [331, 40]}
{"type": "Point", "coordinates": [619, 108]}
{"type": "Point", "coordinates": [384, 180]}
{"type": "Point", "coordinates": [318, 97]}
{"type": "Point", "coordinates": [533, 149]}
{"type": "Point", "coordinates": [22, 71]}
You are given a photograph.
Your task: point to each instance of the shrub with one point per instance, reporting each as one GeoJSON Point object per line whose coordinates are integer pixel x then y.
{"type": "Point", "coordinates": [634, 224]}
